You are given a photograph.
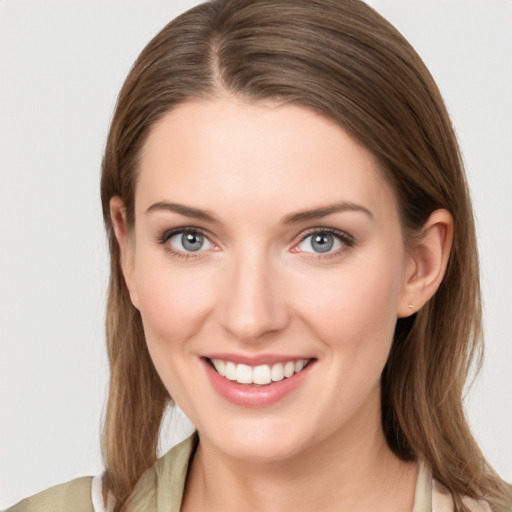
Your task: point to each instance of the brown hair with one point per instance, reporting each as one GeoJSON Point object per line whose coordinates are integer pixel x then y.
{"type": "Point", "coordinates": [343, 60]}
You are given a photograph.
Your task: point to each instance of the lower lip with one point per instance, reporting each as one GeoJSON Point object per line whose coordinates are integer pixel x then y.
{"type": "Point", "coordinates": [252, 395]}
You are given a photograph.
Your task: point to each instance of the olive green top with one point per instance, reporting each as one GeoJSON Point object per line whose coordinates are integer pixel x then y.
{"type": "Point", "coordinates": [72, 496]}
{"type": "Point", "coordinates": [161, 487]}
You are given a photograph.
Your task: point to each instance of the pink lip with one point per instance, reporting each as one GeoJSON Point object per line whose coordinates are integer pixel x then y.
{"type": "Point", "coordinates": [252, 395]}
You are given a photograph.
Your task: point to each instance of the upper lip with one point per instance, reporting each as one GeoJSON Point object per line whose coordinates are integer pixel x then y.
{"type": "Point", "coordinates": [256, 360]}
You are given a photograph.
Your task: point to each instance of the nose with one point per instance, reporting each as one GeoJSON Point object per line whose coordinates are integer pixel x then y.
{"type": "Point", "coordinates": [253, 304]}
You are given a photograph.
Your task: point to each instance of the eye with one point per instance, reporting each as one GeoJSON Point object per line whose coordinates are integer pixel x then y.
{"type": "Point", "coordinates": [325, 241]}
{"type": "Point", "coordinates": [188, 241]}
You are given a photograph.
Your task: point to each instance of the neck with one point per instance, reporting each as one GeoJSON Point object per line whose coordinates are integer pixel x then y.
{"type": "Point", "coordinates": [353, 469]}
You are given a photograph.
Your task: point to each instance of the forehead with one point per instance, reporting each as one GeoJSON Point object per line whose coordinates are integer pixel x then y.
{"type": "Point", "coordinates": [228, 151]}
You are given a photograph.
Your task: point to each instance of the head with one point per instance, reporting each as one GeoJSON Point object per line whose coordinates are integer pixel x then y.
{"type": "Point", "coordinates": [343, 64]}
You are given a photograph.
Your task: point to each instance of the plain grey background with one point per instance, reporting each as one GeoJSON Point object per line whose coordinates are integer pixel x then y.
{"type": "Point", "coordinates": [61, 66]}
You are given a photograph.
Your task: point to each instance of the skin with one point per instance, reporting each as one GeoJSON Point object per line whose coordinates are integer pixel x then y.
{"type": "Point", "coordinates": [257, 286]}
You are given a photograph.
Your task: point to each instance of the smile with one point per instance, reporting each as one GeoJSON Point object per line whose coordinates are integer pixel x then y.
{"type": "Point", "coordinates": [256, 382]}
{"type": "Point", "coordinates": [261, 375]}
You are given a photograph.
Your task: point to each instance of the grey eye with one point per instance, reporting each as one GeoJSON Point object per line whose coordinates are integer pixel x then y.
{"type": "Point", "coordinates": [190, 241]}
{"type": "Point", "coordinates": [320, 242]}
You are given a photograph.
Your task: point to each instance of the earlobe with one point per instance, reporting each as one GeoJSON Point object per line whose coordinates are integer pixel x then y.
{"type": "Point", "coordinates": [126, 249]}
{"type": "Point", "coordinates": [427, 263]}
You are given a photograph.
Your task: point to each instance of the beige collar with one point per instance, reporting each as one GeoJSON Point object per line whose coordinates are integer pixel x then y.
{"type": "Point", "coordinates": [423, 492]}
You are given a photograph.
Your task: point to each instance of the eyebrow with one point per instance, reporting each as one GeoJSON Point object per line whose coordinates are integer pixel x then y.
{"type": "Point", "coordinates": [323, 211]}
{"type": "Point", "coordinates": [292, 218]}
{"type": "Point", "coordinates": [186, 211]}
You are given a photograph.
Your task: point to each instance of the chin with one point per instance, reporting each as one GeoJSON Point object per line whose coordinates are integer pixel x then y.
{"type": "Point", "coordinates": [257, 441]}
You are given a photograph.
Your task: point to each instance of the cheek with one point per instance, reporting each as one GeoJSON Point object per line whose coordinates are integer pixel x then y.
{"type": "Point", "coordinates": [352, 313]}
{"type": "Point", "coordinates": [354, 306]}
{"type": "Point", "coordinates": [173, 302]}
{"type": "Point", "coordinates": [173, 306]}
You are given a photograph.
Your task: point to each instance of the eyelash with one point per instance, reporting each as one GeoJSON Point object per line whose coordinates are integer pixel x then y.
{"type": "Point", "coordinates": [346, 240]}
{"type": "Point", "coordinates": [164, 237]}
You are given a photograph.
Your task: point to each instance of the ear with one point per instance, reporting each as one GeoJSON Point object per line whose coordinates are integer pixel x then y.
{"type": "Point", "coordinates": [427, 263]}
{"type": "Point", "coordinates": [126, 246]}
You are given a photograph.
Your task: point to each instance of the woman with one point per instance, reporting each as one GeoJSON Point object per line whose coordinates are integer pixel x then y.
{"type": "Point", "coordinates": [293, 261]}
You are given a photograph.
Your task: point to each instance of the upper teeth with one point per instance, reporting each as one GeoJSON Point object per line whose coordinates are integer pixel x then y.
{"type": "Point", "coordinates": [263, 374]}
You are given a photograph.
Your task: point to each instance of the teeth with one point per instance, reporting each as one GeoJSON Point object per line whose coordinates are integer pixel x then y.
{"type": "Point", "coordinates": [230, 369]}
{"type": "Point", "coordinates": [277, 372]}
{"type": "Point", "coordinates": [289, 369]}
{"type": "Point", "coordinates": [243, 374]}
{"type": "Point", "coordinates": [261, 375]}
{"type": "Point", "coordinates": [220, 366]}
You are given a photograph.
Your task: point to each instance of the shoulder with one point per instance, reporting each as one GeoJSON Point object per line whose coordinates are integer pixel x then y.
{"type": "Point", "coordinates": [74, 495]}
{"type": "Point", "coordinates": [164, 482]}
{"type": "Point", "coordinates": [442, 500]}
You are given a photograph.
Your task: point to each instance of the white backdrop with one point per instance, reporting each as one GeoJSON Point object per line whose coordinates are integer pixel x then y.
{"type": "Point", "coordinates": [61, 66]}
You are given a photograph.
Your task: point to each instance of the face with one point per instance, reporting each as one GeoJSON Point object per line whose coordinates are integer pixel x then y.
{"type": "Point", "coordinates": [268, 265]}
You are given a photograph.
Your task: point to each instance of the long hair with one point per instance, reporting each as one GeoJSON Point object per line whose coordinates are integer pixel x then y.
{"type": "Point", "coordinates": [343, 60]}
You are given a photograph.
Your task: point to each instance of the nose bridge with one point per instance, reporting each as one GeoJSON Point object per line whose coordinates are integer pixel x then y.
{"type": "Point", "coordinates": [252, 305]}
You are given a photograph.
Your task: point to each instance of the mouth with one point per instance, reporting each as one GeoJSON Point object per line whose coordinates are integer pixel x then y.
{"type": "Point", "coordinates": [260, 375]}
{"type": "Point", "coordinates": [259, 381]}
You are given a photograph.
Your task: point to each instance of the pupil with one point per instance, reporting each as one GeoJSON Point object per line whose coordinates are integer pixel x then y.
{"type": "Point", "coordinates": [322, 242]}
{"type": "Point", "coordinates": [192, 241]}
